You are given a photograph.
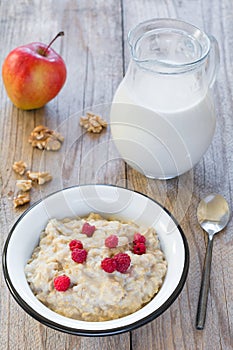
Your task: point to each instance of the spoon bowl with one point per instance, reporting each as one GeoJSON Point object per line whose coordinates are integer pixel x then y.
{"type": "Point", "coordinates": [213, 214]}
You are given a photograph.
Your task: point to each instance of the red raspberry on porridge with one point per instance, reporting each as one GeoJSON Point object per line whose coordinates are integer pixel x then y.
{"type": "Point", "coordinates": [139, 248]}
{"type": "Point", "coordinates": [75, 244]}
{"type": "Point", "coordinates": [122, 262]}
{"type": "Point", "coordinates": [61, 283]}
{"type": "Point", "coordinates": [111, 241]}
{"type": "Point", "coordinates": [79, 255]}
{"type": "Point", "coordinates": [88, 229]}
{"type": "Point", "coordinates": [109, 265]}
{"type": "Point", "coordinates": [138, 238]}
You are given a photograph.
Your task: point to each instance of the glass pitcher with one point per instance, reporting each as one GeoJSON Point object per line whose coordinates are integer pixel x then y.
{"type": "Point", "coordinates": [162, 114]}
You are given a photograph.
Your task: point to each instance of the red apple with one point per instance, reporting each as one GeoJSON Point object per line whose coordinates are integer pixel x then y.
{"type": "Point", "coordinates": [33, 75]}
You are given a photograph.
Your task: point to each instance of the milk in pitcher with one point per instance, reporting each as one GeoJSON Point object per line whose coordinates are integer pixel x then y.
{"type": "Point", "coordinates": [162, 133]}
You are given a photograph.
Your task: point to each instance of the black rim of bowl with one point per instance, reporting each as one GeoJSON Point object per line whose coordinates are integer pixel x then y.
{"type": "Point", "coordinates": [83, 332]}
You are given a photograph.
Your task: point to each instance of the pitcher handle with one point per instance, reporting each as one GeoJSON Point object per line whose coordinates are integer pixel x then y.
{"type": "Point", "coordinates": [213, 64]}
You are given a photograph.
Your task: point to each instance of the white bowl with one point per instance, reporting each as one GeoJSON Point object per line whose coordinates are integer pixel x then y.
{"type": "Point", "coordinates": [108, 201]}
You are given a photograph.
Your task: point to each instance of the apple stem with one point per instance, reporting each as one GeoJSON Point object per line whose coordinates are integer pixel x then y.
{"type": "Point", "coordinates": [51, 42]}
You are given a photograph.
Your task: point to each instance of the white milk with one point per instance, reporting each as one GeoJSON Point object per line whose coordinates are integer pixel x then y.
{"type": "Point", "coordinates": [163, 128]}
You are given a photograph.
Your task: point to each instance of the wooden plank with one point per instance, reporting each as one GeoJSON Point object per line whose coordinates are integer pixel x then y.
{"type": "Point", "coordinates": [175, 329]}
{"type": "Point", "coordinates": [91, 49]}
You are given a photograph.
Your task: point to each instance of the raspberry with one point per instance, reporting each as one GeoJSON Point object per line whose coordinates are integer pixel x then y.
{"type": "Point", "coordinates": [74, 244]}
{"type": "Point", "coordinates": [138, 238]}
{"type": "Point", "coordinates": [61, 283]}
{"type": "Point", "coordinates": [79, 255]}
{"type": "Point", "coordinates": [111, 241]}
{"type": "Point", "coordinates": [88, 229]}
{"type": "Point", "coordinates": [139, 248]}
{"type": "Point", "coordinates": [122, 262]}
{"type": "Point", "coordinates": [108, 265]}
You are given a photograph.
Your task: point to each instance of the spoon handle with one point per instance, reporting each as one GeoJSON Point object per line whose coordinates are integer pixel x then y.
{"type": "Point", "coordinates": [205, 282]}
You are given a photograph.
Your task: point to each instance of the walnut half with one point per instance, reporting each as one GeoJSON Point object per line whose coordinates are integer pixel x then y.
{"type": "Point", "coordinates": [24, 185]}
{"type": "Point", "coordinates": [45, 138]}
{"type": "Point", "coordinates": [39, 177]}
{"type": "Point", "coordinates": [19, 167]}
{"type": "Point", "coordinates": [93, 123]}
{"type": "Point", "coordinates": [21, 199]}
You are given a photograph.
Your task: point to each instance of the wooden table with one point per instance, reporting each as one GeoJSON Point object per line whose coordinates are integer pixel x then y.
{"type": "Point", "coordinates": [96, 53]}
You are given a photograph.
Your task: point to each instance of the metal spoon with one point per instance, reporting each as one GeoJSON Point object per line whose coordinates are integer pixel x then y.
{"type": "Point", "coordinates": [213, 215]}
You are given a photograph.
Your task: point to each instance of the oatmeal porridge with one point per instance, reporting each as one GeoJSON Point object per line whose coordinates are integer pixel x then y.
{"type": "Point", "coordinates": [94, 269]}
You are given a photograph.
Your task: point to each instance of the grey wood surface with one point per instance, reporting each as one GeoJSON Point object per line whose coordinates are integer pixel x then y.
{"type": "Point", "coordinates": [96, 54]}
